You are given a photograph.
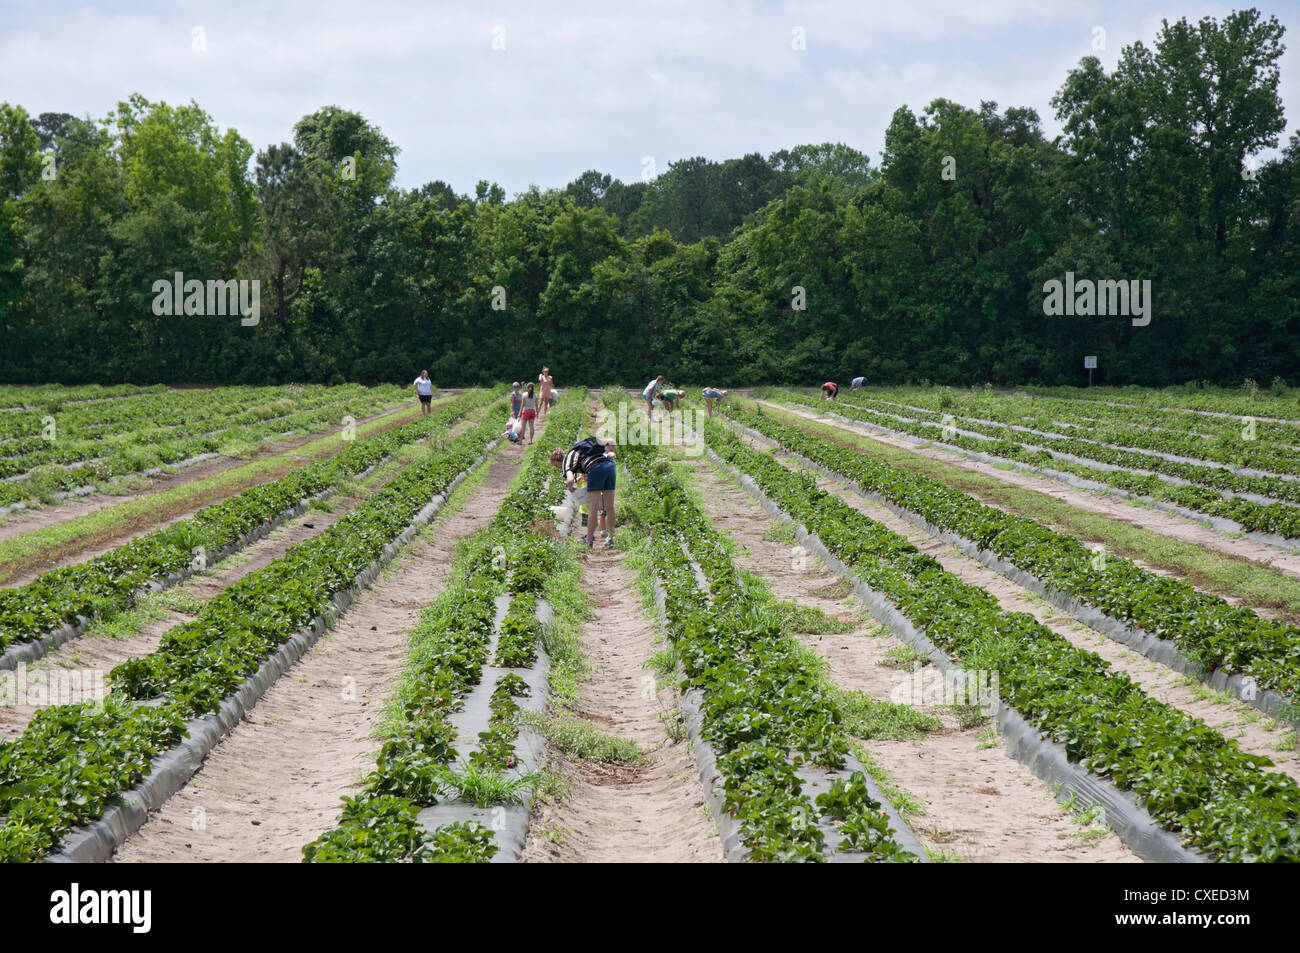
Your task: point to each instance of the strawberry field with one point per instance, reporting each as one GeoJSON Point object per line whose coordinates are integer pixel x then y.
{"type": "Point", "coordinates": [873, 630]}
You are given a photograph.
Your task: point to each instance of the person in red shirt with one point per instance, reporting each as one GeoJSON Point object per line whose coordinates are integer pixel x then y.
{"type": "Point", "coordinates": [829, 390]}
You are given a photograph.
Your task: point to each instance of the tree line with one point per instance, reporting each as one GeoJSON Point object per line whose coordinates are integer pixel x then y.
{"type": "Point", "coordinates": [808, 264]}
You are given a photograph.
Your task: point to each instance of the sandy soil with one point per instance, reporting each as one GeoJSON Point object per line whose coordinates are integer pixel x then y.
{"type": "Point", "coordinates": [274, 784]}
{"type": "Point", "coordinates": [1249, 727]}
{"type": "Point", "coordinates": [1112, 507]}
{"type": "Point", "coordinates": [620, 814]}
{"type": "Point", "coordinates": [977, 803]}
{"type": "Point", "coordinates": [96, 651]}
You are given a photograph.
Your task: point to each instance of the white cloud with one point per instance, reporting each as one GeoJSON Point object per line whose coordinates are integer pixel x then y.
{"type": "Point", "coordinates": [588, 85]}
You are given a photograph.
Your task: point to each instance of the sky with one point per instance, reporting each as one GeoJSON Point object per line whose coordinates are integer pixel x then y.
{"type": "Point", "coordinates": [534, 93]}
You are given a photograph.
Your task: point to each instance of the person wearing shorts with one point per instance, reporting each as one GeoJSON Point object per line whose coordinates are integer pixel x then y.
{"type": "Point", "coordinates": [601, 474]}
{"type": "Point", "coordinates": [424, 390]}
{"type": "Point", "coordinates": [670, 399]}
{"type": "Point", "coordinates": [529, 412]}
{"type": "Point", "coordinates": [710, 395]}
{"type": "Point", "coordinates": [829, 390]}
{"type": "Point", "coordinates": [857, 383]}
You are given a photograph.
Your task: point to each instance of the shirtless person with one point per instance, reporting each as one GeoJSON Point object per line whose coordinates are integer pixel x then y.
{"type": "Point", "coordinates": [544, 379]}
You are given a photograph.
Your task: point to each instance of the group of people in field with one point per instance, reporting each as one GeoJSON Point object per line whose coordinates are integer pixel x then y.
{"type": "Point", "coordinates": [588, 466]}
{"type": "Point", "coordinates": [526, 405]}
{"type": "Point", "coordinates": [830, 388]}
{"type": "Point", "coordinates": [670, 398]}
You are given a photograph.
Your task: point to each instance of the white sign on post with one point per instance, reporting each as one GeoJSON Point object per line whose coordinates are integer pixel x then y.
{"type": "Point", "coordinates": [1090, 362]}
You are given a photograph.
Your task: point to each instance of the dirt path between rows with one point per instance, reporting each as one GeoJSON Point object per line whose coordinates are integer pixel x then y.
{"type": "Point", "coordinates": [97, 651]}
{"type": "Point", "coordinates": [95, 543]}
{"type": "Point", "coordinates": [274, 784]}
{"type": "Point", "coordinates": [1111, 507]}
{"type": "Point", "coordinates": [977, 803]}
{"type": "Point", "coordinates": [102, 649]}
{"type": "Point", "coordinates": [654, 813]}
{"type": "Point", "coordinates": [1252, 730]}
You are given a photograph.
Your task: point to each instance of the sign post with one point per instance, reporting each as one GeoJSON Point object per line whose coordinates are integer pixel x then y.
{"type": "Point", "coordinates": [1090, 362]}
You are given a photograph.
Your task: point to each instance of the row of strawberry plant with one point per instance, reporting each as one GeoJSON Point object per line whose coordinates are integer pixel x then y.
{"type": "Point", "coordinates": [108, 583]}
{"type": "Point", "coordinates": [74, 760]}
{"type": "Point", "coordinates": [1219, 477]}
{"type": "Point", "coordinates": [204, 660]}
{"type": "Point", "coordinates": [47, 397]}
{"type": "Point", "coordinates": [1217, 401]}
{"type": "Point", "coordinates": [1203, 626]}
{"type": "Point", "coordinates": [184, 412]}
{"type": "Point", "coordinates": [212, 418]}
{"type": "Point", "coordinates": [166, 408]}
{"type": "Point", "coordinates": [449, 649]}
{"type": "Point", "coordinates": [1282, 519]}
{"type": "Point", "coordinates": [1266, 446]}
{"type": "Point", "coordinates": [1191, 778]}
{"type": "Point", "coordinates": [68, 465]}
{"type": "Point", "coordinates": [764, 710]}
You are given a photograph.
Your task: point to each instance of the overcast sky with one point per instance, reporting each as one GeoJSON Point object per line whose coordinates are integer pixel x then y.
{"type": "Point", "coordinates": [578, 85]}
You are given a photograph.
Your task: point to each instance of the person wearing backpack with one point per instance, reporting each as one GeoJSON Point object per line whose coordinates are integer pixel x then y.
{"type": "Point", "coordinates": [593, 459]}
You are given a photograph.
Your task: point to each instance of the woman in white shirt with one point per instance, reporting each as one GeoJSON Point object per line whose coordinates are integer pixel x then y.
{"type": "Point", "coordinates": [649, 394]}
{"type": "Point", "coordinates": [424, 390]}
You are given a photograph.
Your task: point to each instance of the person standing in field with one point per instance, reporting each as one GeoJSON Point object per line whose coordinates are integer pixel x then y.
{"type": "Point", "coordinates": [424, 390]}
{"type": "Point", "coordinates": [857, 383]}
{"type": "Point", "coordinates": [530, 412]}
{"type": "Point", "coordinates": [710, 395]}
{"type": "Point", "coordinates": [649, 394]}
{"type": "Point", "coordinates": [593, 459]}
{"type": "Point", "coordinates": [829, 390]}
{"type": "Point", "coordinates": [516, 400]}
{"type": "Point", "coordinates": [544, 379]}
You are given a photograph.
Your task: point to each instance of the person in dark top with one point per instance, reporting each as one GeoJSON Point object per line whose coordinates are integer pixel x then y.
{"type": "Point", "coordinates": [594, 460]}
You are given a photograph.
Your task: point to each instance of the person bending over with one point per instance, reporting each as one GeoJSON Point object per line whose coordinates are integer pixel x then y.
{"type": "Point", "coordinates": [649, 394]}
{"type": "Point", "coordinates": [593, 459]}
{"type": "Point", "coordinates": [710, 395]}
{"type": "Point", "coordinates": [829, 390]}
